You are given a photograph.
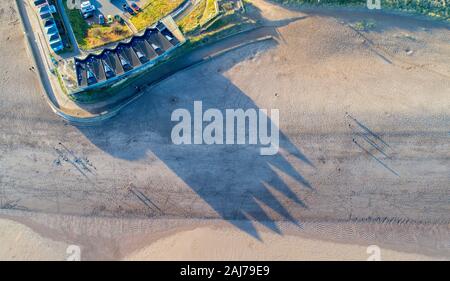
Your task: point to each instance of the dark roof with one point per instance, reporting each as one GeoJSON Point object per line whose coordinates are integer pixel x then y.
{"type": "Point", "coordinates": [39, 2]}
{"type": "Point", "coordinates": [124, 57]}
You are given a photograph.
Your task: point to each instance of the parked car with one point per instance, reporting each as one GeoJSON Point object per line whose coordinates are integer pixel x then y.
{"type": "Point", "coordinates": [87, 9]}
{"type": "Point", "coordinates": [101, 19]}
{"type": "Point", "coordinates": [135, 7]}
{"type": "Point", "coordinates": [119, 19]}
{"type": "Point", "coordinates": [110, 19]}
{"type": "Point", "coordinates": [127, 9]}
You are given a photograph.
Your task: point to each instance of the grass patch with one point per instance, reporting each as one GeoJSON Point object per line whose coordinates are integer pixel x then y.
{"type": "Point", "coordinates": [90, 37]}
{"type": "Point", "coordinates": [60, 81]}
{"type": "Point", "coordinates": [230, 21]}
{"type": "Point", "coordinates": [433, 8]}
{"type": "Point", "coordinates": [200, 17]}
{"type": "Point", "coordinates": [99, 35]}
{"type": "Point", "coordinates": [191, 22]}
{"type": "Point", "coordinates": [153, 11]}
{"type": "Point", "coordinates": [79, 26]}
{"type": "Point", "coordinates": [227, 28]}
{"type": "Point", "coordinates": [365, 25]}
{"type": "Point", "coordinates": [210, 11]}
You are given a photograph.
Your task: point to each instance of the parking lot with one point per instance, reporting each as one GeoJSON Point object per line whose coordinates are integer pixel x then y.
{"type": "Point", "coordinates": [114, 7]}
{"type": "Point", "coordinates": [111, 7]}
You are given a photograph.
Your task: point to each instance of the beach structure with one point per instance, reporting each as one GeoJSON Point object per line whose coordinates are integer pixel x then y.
{"type": "Point", "coordinates": [50, 27]}
{"type": "Point", "coordinates": [137, 54]}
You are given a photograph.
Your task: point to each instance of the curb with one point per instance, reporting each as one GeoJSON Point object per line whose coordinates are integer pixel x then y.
{"type": "Point", "coordinates": [34, 60]}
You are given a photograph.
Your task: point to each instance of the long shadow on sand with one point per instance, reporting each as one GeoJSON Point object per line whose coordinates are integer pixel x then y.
{"type": "Point", "coordinates": [235, 180]}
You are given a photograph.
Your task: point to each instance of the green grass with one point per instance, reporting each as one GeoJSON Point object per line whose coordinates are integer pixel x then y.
{"type": "Point", "coordinates": [225, 27]}
{"type": "Point", "coordinates": [60, 81]}
{"type": "Point", "coordinates": [153, 11]}
{"type": "Point", "coordinates": [90, 37]}
{"type": "Point", "coordinates": [210, 11]}
{"type": "Point", "coordinates": [433, 8]}
{"type": "Point", "coordinates": [99, 35]}
{"type": "Point", "coordinates": [79, 25]}
{"type": "Point", "coordinates": [202, 14]}
{"type": "Point", "coordinates": [191, 22]}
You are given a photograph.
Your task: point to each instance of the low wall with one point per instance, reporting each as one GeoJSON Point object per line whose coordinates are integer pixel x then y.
{"type": "Point", "coordinates": [122, 78]}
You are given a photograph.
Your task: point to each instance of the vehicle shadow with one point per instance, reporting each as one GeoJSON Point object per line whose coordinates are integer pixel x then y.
{"type": "Point", "coordinates": [236, 181]}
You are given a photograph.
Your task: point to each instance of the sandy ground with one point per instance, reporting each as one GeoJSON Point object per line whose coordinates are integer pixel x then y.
{"type": "Point", "coordinates": [207, 242]}
{"type": "Point", "coordinates": [214, 244]}
{"type": "Point", "coordinates": [364, 121]}
{"type": "Point", "coordinates": [19, 242]}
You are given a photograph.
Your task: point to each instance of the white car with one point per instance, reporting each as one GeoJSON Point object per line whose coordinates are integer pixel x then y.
{"type": "Point", "coordinates": [87, 9]}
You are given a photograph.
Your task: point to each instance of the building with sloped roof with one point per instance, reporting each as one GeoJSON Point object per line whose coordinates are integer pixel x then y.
{"type": "Point", "coordinates": [46, 12]}
{"type": "Point", "coordinates": [138, 54]}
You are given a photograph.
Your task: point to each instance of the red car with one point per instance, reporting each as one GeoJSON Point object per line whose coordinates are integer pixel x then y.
{"type": "Point", "coordinates": [135, 7]}
{"type": "Point", "coordinates": [127, 9]}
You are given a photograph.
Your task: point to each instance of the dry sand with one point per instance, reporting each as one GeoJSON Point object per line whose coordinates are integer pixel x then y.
{"type": "Point", "coordinates": [332, 85]}
{"type": "Point", "coordinates": [231, 244]}
{"type": "Point", "coordinates": [19, 242]}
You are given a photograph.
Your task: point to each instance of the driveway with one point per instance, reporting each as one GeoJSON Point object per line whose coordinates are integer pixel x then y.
{"type": "Point", "coordinates": [114, 7]}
